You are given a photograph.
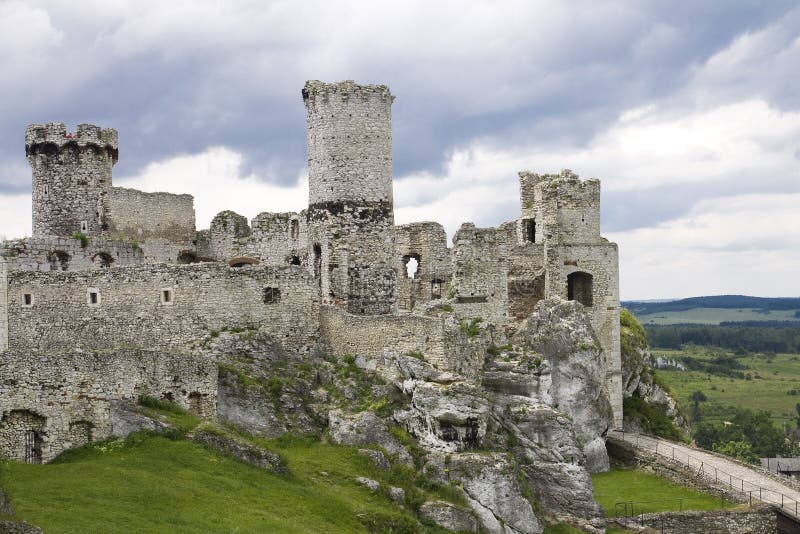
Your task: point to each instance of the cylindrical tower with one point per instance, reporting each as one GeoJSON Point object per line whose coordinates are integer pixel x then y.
{"type": "Point", "coordinates": [350, 212]}
{"type": "Point", "coordinates": [71, 176]}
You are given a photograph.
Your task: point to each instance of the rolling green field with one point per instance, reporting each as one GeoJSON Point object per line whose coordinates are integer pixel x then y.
{"type": "Point", "coordinates": [716, 316]}
{"type": "Point", "coordinates": [649, 493]}
{"type": "Point", "coordinates": [149, 483]}
{"type": "Point", "coordinates": [774, 385]}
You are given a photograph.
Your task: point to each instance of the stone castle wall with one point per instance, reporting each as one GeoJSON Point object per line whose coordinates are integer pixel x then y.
{"type": "Point", "coordinates": [137, 216]}
{"type": "Point", "coordinates": [439, 339]}
{"type": "Point", "coordinates": [68, 254]}
{"type": "Point", "coordinates": [480, 273]}
{"type": "Point", "coordinates": [131, 306]}
{"type": "Point", "coordinates": [71, 176]}
{"type": "Point", "coordinates": [68, 400]}
{"type": "Point", "coordinates": [3, 305]}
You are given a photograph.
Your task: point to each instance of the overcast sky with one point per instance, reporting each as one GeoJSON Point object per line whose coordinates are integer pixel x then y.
{"type": "Point", "coordinates": [689, 113]}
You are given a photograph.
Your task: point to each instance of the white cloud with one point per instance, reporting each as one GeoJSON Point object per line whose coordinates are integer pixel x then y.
{"type": "Point", "coordinates": [15, 216]}
{"type": "Point", "coordinates": [216, 180]}
{"type": "Point", "coordinates": [747, 244]}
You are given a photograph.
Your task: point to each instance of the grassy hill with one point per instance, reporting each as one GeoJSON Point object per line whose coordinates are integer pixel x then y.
{"type": "Point", "coordinates": [149, 483]}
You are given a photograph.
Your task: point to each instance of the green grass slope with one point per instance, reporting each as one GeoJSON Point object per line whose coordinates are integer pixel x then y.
{"type": "Point", "coordinates": [649, 493]}
{"type": "Point", "coordinates": [149, 483]}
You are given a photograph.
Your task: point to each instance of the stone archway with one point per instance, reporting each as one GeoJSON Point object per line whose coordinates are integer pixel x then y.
{"type": "Point", "coordinates": [22, 434]}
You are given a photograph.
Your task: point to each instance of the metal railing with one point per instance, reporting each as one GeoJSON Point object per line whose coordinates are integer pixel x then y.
{"type": "Point", "coordinates": [640, 508]}
{"type": "Point", "coordinates": [748, 490]}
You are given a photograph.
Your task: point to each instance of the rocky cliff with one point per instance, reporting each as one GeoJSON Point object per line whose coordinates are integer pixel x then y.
{"type": "Point", "coordinates": [517, 439]}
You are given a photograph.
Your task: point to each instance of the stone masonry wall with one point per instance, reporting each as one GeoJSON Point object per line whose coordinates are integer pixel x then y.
{"type": "Point", "coordinates": [278, 239]}
{"type": "Point", "coordinates": [130, 307]}
{"type": "Point", "coordinates": [68, 399]}
{"type": "Point", "coordinates": [68, 254]}
{"type": "Point", "coordinates": [3, 305]}
{"type": "Point", "coordinates": [137, 216]}
{"type": "Point", "coordinates": [439, 339]}
{"type": "Point", "coordinates": [480, 273]}
{"type": "Point", "coordinates": [71, 176]}
{"type": "Point", "coordinates": [759, 521]}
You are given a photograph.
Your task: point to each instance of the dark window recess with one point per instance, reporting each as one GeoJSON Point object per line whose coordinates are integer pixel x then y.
{"type": "Point", "coordinates": [294, 260]}
{"type": "Point", "coordinates": [166, 295]}
{"type": "Point", "coordinates": [272, 295]}
{"type": "Point", "coordinates": [471, 299]}
{"type": "Point", "coordinates": [530, 230]}
{"type": "Point", "coordinates": [579, 287]}
{"type": "Point", "coordinates": [93, 297]}
{"type": "Point", "coordinates": [27, 299]}
{"type": "Point", "coordinates": [436, 288]}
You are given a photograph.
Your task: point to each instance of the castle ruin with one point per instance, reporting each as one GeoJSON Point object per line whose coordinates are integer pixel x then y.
{"type": "Point", "coordinates": [111, 295]}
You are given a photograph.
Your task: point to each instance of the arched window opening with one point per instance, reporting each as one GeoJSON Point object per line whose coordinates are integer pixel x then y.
{"type": "Point", "coordinates": [103, 260]}
{"type": "Point", "coordinates": [579, 287]}
{"type": "Point", "coordinates": [411, 263]}
{"type": "Point", "coordinates": [294, 260]}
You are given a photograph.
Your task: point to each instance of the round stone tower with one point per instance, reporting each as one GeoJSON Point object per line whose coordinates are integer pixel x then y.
{"type": "Point", "coordinates": [71, 176]}
{"type": "Point", "coordinates": [350, 212]}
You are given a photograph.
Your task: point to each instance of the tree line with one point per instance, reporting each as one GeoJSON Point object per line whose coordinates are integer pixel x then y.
{"type": "Point", "coordinates": [783, 338]}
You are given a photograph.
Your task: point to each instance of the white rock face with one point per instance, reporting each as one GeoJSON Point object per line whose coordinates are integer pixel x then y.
{"type": "Point", "coordinates": [561, 332]}
{"type": "Point", "coordinates": [494, 493]}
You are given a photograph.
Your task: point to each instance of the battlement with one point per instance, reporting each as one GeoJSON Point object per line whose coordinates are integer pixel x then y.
{"type": "Point", "coordinates": [55, 133]}
{"type": "Point", "coordinates": [314, 89]}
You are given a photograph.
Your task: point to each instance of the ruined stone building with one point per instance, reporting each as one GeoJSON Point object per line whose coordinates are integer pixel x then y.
{"type": "Point", "coordinates": [115, 289]}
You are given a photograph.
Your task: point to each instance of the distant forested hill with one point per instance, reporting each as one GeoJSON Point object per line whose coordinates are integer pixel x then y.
{"type": "Point", "coordinates": [719, 301]}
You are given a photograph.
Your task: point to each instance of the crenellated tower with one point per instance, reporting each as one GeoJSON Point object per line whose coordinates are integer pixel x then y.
{"type": "Point", "coordinates": [350, 212]}
{"type": "Point", "coordinates": [71, 177]}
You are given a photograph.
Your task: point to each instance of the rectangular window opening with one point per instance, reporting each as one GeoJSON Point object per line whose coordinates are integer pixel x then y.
{"type": "Point", "coordinates": [93, 297]}
{"type": "Point", "coordinates": [530, 230]}
{"type": "Point", "coordinates": [272, 295]}
{"type": "Point", "coordinates": [167, 296]}
{"type": "Point", "coordinates": [84, 226]}
{"type": "Point", "coordinates": [27, 300]}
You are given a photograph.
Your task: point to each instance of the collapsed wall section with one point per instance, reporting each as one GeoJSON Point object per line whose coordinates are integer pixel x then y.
{"type": "Point", "coordinates": [53, 403]}
{"type": "Point", "coordinates": [159, 306]}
